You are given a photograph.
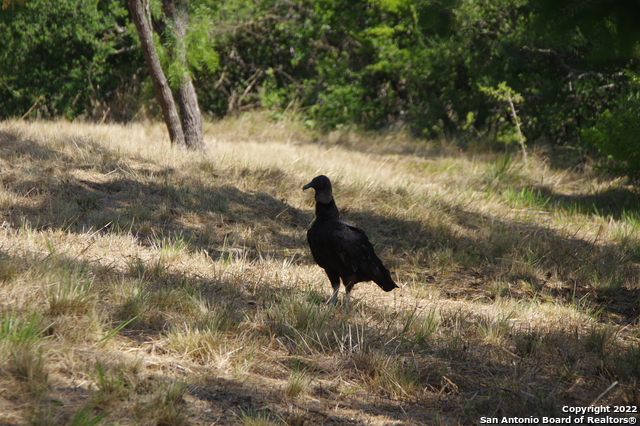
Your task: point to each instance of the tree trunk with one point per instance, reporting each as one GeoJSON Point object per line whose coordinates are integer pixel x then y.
{"type": "Point", "coordinates": [138, 9]}
{"type": "Point", "coordinates": [177, 11]}
{"type": "Point", "coordinates": [190, 115]}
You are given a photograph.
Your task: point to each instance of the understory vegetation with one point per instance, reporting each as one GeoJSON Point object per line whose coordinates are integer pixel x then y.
{"type": "Point", "coordinates": [141, 285]}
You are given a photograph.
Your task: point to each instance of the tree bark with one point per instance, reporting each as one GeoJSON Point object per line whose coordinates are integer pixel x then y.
{"type": "Point", "coordinates": [190, 115]}
{"type": "Point", "coordinates": [138, 9]}
{"type": "Point", "coordinates": [177, 12]}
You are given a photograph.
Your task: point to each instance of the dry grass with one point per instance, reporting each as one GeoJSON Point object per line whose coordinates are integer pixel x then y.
{"type": "Point", "coordinates": [140, 285]}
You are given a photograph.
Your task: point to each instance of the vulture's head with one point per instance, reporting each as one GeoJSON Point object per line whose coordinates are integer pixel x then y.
{"type": "Point", "coordinates": [322, 185]}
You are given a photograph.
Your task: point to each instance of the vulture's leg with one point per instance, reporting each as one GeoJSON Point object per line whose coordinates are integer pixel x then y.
{"type": "Point", "coordinates": [348, 288]}
{"type": "Point", "coordinates": [334, 277]}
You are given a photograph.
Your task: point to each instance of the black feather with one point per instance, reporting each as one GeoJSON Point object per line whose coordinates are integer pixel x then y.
{"type": "Point", "coordinates": [341, 249]}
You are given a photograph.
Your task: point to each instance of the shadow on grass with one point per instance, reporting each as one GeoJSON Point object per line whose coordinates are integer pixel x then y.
{"type": "Point", "coordinates": [145, 201]}
{"type": "Point", "coordinates": [154, 203]}
{"type": "Point", "coordinates": [618, 203]}
{"type": "Point", "coordinates": [217, 399]}
{"type": "Point", "coordinates": [103, 192]}
{"type": "Point", "coordinates": [224, 400]}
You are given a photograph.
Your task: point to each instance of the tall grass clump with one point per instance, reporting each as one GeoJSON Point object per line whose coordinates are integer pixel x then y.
{"type": "Point", "coordinates": [494, 329]}
{"type": "Point", "coordinates": [527, 197]}
{"type": "Point", "coordinates": [172, 246]}
{"type": "Point", "coordinates": [164, 405]}
{"type": "Point", "coordinates": [298, 382]}
{"type": "Point", "coordinates": [304, 321]}
{"type": "Point", "coordinates": [199, 344]}
{"type": "Point", "coordinates": [86, 417]}
{"type": "Point", "coordinates": [500, 170]}
{"type": "Point", "coordinates": [420, 326]}
{"type": "Point", "coordinates": [113, 383]}
{"type": "Point", "coordinates": [395, 376]}
{"type": "Point", "coordinates": [70, 291]}
{"type": "Point", "coordinates": [22, 349]}
{"type": "Point", "coordinates": [258, 418]}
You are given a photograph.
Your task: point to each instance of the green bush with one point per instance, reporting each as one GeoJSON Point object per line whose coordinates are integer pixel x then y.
{"type": "Point", "coordinates": [375, 63]}
{"type": "Point", "coordinates": [69, 59]}
{"type": "Point", "coordinates": [616, 134]}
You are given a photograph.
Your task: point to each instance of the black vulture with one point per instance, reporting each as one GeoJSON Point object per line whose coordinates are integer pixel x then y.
{"type": "Point", "coordinates": [342, 250]}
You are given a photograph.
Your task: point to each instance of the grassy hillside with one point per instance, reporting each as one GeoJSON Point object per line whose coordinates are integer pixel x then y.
{"type": "Point", "coordinates": [141, 285]}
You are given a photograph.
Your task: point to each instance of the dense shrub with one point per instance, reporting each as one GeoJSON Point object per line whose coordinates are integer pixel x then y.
{"type": "Point", "coordinates": [379, 63]}
{"type": "Point", "coordinates": [68, 58]}
{"type": "Point", "coordinates": [616, 133]}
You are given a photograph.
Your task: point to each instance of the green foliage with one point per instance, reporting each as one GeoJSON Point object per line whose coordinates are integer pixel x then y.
{"type": "Point", "coordinates": [616, 134]}
{"type": "Point", "coordinates": [373, 64]}
{"type": "Point", "coordinates": [21, 332]}
{"type": "Point", "coordinates": [502, 92]}
{"type": "Point", "coordinates": [85, 417]}
{"type": "Point", "coordinates": [424, 63]}
{"type": "Point", "coordinates": [197, 43]}
{"type": "Point", "coordinates": [67, 59]}
{"type": "Point", "coordinates": [610, 25]}
{"type": "Point", "coordinates": [202, 55]}
{"type": "Point", "coordinates": [510, 97]}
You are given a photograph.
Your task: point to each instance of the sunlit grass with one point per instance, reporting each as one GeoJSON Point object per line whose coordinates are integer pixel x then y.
{"type": "Point", "coordinates": [177, 288]}
{"type": "Point", "coordinates": [22, 341]}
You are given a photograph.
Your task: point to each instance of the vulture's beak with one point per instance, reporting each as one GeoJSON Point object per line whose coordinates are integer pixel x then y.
{"type": "Point", "coordinates": [307, 186]}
